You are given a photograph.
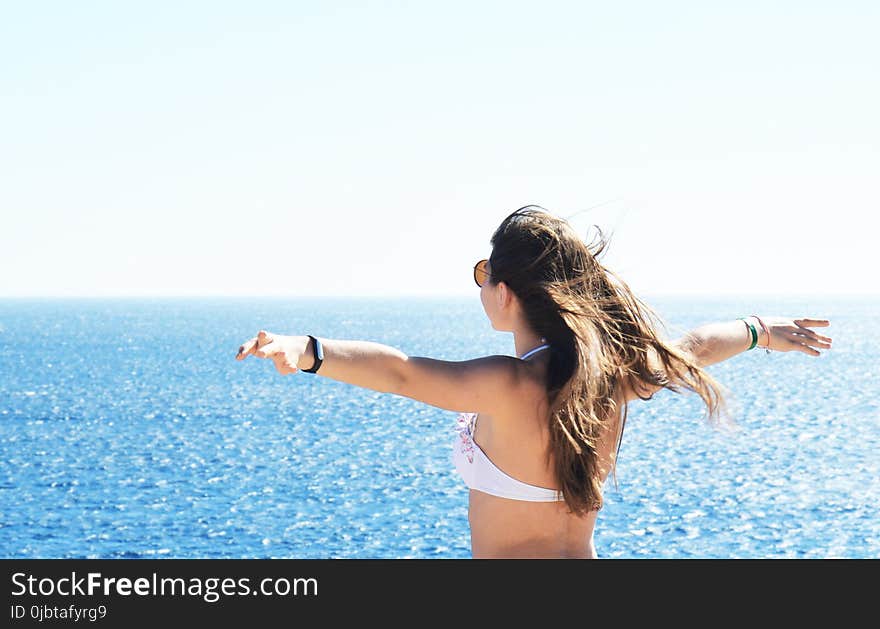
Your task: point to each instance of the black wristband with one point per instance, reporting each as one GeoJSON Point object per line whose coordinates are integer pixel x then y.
{"type": "Point", "coordinates": [318, 351]}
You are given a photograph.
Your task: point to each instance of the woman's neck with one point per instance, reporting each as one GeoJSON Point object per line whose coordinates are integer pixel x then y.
{"type": "Point", "coordinates": [526, 342]}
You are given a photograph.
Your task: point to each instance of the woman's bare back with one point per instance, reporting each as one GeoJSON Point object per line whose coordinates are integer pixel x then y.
{"type": "Point", "coordinates": [516, 440]}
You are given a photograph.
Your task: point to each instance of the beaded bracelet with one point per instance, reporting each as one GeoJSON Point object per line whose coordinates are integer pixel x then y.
{"type": "Point", "coordinates": [752, 331]}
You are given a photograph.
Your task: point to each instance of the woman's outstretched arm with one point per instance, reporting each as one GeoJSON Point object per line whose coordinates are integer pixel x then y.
{"type": "Point", "coordinates": [478, 385]}
{"type": "Point", "coordinates": [716, 342]}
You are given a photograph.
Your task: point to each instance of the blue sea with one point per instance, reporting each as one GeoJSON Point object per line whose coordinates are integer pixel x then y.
{"type": "Point", "coordinates": [128, 429]}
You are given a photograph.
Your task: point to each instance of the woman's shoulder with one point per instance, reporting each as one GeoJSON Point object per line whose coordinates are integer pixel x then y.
{"type": "Point", "coordinates": [528, 399]}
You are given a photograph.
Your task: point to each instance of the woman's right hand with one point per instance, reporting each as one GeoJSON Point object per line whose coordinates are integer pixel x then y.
{"type": "Point", "coordinates": [284, 351]}
{"type": "Point", "coordinates": [790, 335]}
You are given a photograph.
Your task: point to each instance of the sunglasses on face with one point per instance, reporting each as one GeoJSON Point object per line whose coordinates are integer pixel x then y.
{"type": "Point", "coordinates": [481, 273]}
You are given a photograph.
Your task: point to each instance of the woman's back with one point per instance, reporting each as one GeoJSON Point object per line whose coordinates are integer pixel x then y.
{"type": "Point", "coordinates": [515, 439]}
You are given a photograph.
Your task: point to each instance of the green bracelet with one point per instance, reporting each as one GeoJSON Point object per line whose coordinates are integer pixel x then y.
{"type": "Point", "coordinates": [752, 330]}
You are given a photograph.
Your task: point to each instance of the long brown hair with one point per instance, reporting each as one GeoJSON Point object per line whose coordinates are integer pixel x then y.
{"type": "Point", "coordinates": [600, 335]}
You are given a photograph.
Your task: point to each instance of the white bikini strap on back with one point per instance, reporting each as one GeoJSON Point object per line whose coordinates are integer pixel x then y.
{"type": "Point", "coordinates": [532, 351]}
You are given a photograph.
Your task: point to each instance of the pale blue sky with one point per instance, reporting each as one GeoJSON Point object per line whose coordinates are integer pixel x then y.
{"type": "Point", "coordinates": [364, 148]}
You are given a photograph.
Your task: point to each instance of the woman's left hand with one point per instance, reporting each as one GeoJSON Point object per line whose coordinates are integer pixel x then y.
{"type": "Point", "coordinates": [285, 351]}
{"type": "Point", "coordinates": [789, 335]}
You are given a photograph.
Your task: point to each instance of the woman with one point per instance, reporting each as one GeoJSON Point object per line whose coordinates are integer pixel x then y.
{"type": "Point", "coordinates": [539, 433]}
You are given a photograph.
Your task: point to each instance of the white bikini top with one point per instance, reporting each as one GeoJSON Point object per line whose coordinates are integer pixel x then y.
{"type": "Point", "coordinates": [481, 474]}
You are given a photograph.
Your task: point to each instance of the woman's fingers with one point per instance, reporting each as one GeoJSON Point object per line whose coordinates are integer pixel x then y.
{"type": "Point", "coordinates": [267, 350]}
{"type": "Point", "coordinates": [252, 345]}
{"type": "Point", "coordinates": [275, 351]}
{"type": "Point", "coordinates": [816, 344]}
{"type": "Point", "coordinates": [819, 343]}
{"type": "Point", "coordinates": [809, 350]}
{"type": "Point", "coordinates": [266, 345]}
{"type": "Point", "coordinates": [282, 365]}
{"type": "Point", "coordinates": [803, 324]}
{"type": "Point", "coordinates": [799, 338]}
{"type": "Point", "coordinates": [813, 323]}
{"type": "Point", "coordinates": [803, 333]}
{"type": "Point", "coordinates": [246, 349]}
{"type": "Point", "coordinates": [797, 343]}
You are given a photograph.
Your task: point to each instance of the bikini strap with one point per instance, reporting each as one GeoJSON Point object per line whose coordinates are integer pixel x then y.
{"type": "Point", "coordinates": [532, 351]}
